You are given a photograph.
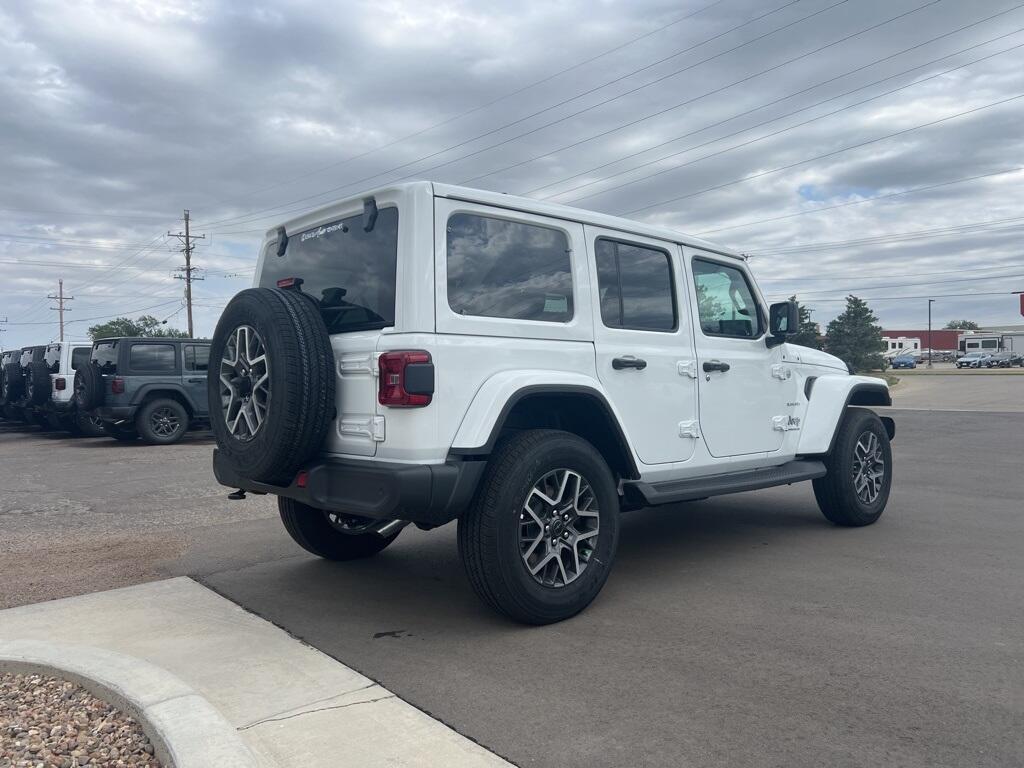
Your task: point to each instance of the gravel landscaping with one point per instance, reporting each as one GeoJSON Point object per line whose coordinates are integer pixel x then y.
{"type": "Point", "coordinates": [46, 722]}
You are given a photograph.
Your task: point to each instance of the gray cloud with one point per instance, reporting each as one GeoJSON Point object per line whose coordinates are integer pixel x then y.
{"type": "Point", "coordinates": [120, 114]}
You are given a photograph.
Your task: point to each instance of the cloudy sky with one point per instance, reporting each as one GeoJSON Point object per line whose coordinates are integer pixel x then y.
{"type": "Point", "coordinates": [866, 146]}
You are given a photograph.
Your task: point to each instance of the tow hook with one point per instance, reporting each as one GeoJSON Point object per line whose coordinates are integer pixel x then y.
{"type": "Point", "coordinates": [238, 495]}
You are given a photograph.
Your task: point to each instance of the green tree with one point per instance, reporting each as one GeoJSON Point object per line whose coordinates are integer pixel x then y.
{"type": "Point", "coordinates": [962, 325]}
{"type": "Point", "coordinates": [856, 337]}
{"type": "Point", "coordinates": [147, 325]}
{"type": "Point", "coordinates": [807, 335]}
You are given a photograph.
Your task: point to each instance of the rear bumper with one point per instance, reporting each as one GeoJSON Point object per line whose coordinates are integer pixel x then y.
{"type": "Point", "coordinates": [431, 494]}
{"type": "Point", "coordinates": [116, 412]}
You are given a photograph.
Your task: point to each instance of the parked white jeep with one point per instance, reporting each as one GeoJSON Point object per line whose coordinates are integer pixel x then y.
{"type": "Point", "coordinates": [427, 352]}
{"type": "Point", "coordinates": [61, 360]}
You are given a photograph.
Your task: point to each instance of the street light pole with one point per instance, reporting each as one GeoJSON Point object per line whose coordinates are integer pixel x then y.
{"type": "Point", "coordinates": [930, 302]}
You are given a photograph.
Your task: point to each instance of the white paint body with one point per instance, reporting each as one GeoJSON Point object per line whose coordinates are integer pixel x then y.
{"type": "Point", "coordinates": [679, 421]}
{"type": "Point", "coordinates": [60, 352]}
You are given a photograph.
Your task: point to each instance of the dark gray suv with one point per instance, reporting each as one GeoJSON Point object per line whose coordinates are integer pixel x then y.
{"type": "Point", "coordinates": [153, 388]}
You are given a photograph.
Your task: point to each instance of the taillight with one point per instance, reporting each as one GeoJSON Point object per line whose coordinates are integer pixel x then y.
{"type": "Point", "coordinates": [406, 379]}
{"type": "Point", "coordinates": [60, 383]}
{"type": "Point", "coordinates": [117, 386]}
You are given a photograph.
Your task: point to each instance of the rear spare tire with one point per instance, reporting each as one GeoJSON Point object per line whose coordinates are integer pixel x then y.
{"type": "Point", "coordinates": [39, 385]}
{"type": "Point", "coordinates": [271, 383]}
{"type": "Point", "coordinates": [14, 382]}
{"type": "Point", "coordinates": [88, 387]}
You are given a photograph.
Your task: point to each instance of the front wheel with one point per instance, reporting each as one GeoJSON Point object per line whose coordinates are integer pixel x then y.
{"type": "Point", "coordinates": [856, 488]}
{"type": "Point", "coordinates": [539, 540]}
{"type": "Point", "coordinates": [331, 535]}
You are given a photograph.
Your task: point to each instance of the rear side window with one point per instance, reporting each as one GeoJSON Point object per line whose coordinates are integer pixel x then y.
{"type": "Point", "coordinates": [152, 358]}
{"type": "Point", "coordinates": [79, 357]}
{"type": "Point", "coordinates": [105, 356]}
{"type": "Point", "coordinates": [350, 270]}
{"type": "Point", "coordinates": [197, 358]}
{"type": "Point", "coordinates": [500, 268]}
{"type": "Point", "coordinates": [635, 283]}
{"type": "Point", "coordinates": [725, 301]}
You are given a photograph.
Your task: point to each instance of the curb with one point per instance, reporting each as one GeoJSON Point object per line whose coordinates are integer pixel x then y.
{"type": "Point", "coordinates": [185, 729]}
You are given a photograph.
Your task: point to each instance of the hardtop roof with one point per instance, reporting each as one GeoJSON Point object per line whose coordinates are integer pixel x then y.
{"type": "Point", "coordinates": [514, 203]}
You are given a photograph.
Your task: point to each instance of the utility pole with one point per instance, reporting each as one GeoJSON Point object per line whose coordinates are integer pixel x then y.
{"type": "Point", "coordinates": [187, 240]}
{"type": "Point", "coordinates": [60, 298]}
{"type": "Point", "coordinates": [930, 302]}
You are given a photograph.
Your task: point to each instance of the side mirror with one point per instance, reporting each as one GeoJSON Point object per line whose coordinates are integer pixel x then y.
{"type": "Point", "coordinates": [783, 319]}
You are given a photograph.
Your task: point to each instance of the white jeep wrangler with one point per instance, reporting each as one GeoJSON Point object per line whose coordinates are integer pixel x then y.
{"type": "Point", "coordinates": [427, 352]}
{"type": "Point", "coordinates": [60, 362]}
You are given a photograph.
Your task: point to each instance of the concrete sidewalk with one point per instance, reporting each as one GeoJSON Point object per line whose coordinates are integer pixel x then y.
{"type": "Point", "coordinates": [292, 704]}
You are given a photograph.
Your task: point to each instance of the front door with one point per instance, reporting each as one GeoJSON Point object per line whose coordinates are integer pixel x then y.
{"type": "Point", "coordinates": [643, 344]}
{"type": "Point", "coordinates": [195, 370]}
{"type": "Point", "coordinates": [744, 386]}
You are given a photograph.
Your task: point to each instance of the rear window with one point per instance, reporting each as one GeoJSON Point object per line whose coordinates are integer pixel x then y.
{"type": "Point", "coordinates": [152, 358]}
{"type": "Point", "coordinates": [79, 357]}
{"type": "Point", "coordinates": [350, 270]}
{"type": "Point", "coordinates": [105, 356]}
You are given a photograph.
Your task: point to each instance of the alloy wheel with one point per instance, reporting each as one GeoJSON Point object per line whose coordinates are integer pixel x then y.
{"type": "Point", "coordinates": [868, 467]}
{"type": "Point", "coordinates": [558, 525]}
{"type": "Point", "coordinates": [164, 421]}
{"type": "Point", "coordinates": [245, 383]}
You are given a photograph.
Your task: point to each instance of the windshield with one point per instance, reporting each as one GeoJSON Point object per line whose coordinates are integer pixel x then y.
{"type": "Point", "coordinates": [351, 271]}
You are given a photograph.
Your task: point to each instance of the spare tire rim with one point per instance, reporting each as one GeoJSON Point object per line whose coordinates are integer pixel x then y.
{"type": "Point", "coordinates": [558, 528]}
{"type": "Point", "coordinates": [244, 383]}
{"type": "Point", "coordinates": [868, 467]}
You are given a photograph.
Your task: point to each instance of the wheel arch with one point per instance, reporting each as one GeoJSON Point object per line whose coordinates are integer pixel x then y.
{"type": "Point", "coordinates": [829, 398]}
{"type": "Point", "coordinates": [573, 406]}
{"type": "Point", "coordinates": [151, 392]}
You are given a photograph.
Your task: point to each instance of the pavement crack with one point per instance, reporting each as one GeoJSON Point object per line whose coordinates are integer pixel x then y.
{"type": "Point", "coordinates": [311, 711]}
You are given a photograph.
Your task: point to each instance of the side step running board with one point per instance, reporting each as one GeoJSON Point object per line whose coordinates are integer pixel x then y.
{"type": "Point", "coordinates": [736, 482]}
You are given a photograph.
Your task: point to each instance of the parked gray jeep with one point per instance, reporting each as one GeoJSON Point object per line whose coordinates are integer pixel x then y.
{"type": "Point", "coordinates": [153, 388]}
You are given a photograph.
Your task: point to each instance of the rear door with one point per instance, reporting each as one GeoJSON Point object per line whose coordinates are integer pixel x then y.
{"type": "Point", "coordinates": [195, 365]}
{"type": "Point", "coordinates": [643, 344]}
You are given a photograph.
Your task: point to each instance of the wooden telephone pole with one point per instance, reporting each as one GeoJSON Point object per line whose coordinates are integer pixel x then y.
{"type": "Point", "coordinates": [187, 239]}
{"type": "Point", "coordinates": [60, 298]}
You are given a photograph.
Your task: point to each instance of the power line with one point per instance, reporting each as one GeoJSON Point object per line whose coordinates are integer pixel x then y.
{"type": "Point", "coordinates": [874, 198]}
{"type": "Point", "coordinates": [766, 122]}
{"type": "Point", "coordinates": [104, 317]}
{"type": "Point", "coordinates": [914, 298]}
{"type": "Point", "coordinates": [561, 103]}
{"type": "Point", "coordinates": [966, 228]}
{"type": "Point", "coordinates": [481, 107]}
{"type": "Point", "coordinates": [762, 72]}
{"type": "Point", "coordinates": [758, 175]}
{"type": "Point", "coordinates": [912, 285]}
{"type": "Point", "coordinates": [856, 275]}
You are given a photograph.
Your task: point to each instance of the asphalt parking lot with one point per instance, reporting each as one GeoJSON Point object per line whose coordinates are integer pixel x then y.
{"type": "Point", "coordinates": [742, 631]}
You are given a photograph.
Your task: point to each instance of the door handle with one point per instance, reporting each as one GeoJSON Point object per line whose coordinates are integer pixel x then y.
{"type": "Point", "coordinates": [628, 362]}
{"type": "Point", "coordinates": [715, 365]}
{"type": "Point", "coordinates": [196, 381]}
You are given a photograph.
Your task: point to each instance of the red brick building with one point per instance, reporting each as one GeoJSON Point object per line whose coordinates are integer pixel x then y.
{"type": "Point", "coordinates": [911, 340]}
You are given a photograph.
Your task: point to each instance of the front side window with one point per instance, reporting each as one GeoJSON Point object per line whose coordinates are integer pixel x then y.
{"type": "Point", "coordinates": [197, 357]}
{"type": "Point", "coordinates": [351, 271]}
{"type": "Point", "coordinates": [508, 269]}
{"type": "Point", "coordinates": [152, 358]}
{"type": "Point", "coordinates": [725, 301]}
{"type": "Point", "coordinates": [635, 283]}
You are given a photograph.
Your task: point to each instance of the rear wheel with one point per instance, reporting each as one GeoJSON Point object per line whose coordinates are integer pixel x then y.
{"type": "Point", "coordinates": [331, 535]}
{"type": "Point", "coordinates": [856, 488]}
{"type": "Point", "coordinates": [162, 421]}
{"type": "Point", "coordinates": [539, 540]}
